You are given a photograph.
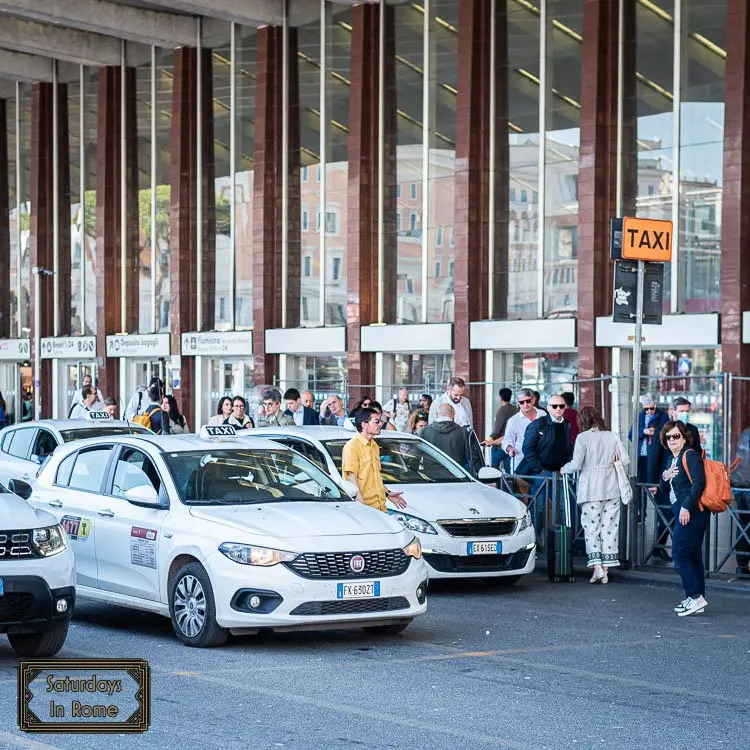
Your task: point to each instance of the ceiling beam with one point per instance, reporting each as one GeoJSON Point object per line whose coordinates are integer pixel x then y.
{"type": "Point", "coordinates": [7, 89]}
{"type": "Point", "coordinates": [71, 45]}
{"type": "Point", "coordinates": [250, 12]}
{"type": "Point", "coordinates": [22, 67]}
{"type": "Point", "coordinates": [102, 16]}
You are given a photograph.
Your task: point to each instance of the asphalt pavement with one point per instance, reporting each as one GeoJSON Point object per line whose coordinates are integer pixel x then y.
{"type": "Point", "coordinates": [538, 665]}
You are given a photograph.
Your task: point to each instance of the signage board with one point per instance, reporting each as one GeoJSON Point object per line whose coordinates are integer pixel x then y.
{"type": "Point", "coordinates": [646, 239]}
{"type": "Point", "coordinates": [626, 291]}
{"type": "Point", "coordinates": [15, 350]}
{"type": "Point", "coordinates": [69, 347]}
{"type": "Point", "coordinates": [149, 345]}
{"type": "Point", "coordinates": [217, 344]}
{"type": "Point", "coordinates": [615, 239]}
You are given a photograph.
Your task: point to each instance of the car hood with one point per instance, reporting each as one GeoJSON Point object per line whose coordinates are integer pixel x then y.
{"type": "Point", "coordinates": [298, 520]}
{"type": "Point", "coordinates": [16, 513]}
{"type": "Point", "coordinates": [433, 502]}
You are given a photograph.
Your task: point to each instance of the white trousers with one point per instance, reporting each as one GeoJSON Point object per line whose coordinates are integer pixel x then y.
{"type": "Point", "coordinates": [601, 525]}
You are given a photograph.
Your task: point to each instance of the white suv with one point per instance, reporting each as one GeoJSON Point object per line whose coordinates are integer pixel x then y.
{"type": "Point", "coordinates": [37, 576]}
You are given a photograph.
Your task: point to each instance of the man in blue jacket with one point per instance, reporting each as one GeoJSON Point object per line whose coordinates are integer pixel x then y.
{"type": "Point", "coordinates": [302, 415]}
{"type": "Point", "coordinates": [650, 422]}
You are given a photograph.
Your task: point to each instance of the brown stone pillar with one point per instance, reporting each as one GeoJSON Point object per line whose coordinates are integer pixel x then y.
{"type": "Point", "coordinates": [186, 172]}
{"type": "Point", "coordinates": [5, 286]}
{"type": "Point", "coordinates": [64, 265]}
{"type": "Point", "coordinates": [109, 196]}
{"type": "Point", "coordinates": [597, 184]}
{"type": "Point", "coordinates": [363, 278]}
{"type": "Point", "coordinates": [472, 191]}
{"type": "Point", "coordinates": [268, 178]}
{"type": "Point", "coordinates": [735, 260]}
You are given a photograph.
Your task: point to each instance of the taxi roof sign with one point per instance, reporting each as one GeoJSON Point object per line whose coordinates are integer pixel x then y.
{"type": "Point", "coordinates": [647, 239]}
{"type": "Point", "coordinates": [218, 432]}
{"type": "Point", "coordinates": [97, 416]}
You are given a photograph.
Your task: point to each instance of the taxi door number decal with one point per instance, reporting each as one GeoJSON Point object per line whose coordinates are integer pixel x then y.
{"type": "Point", "coordinates": [143, 547]}
{"type": "Point", "coordinates": [77, 528]}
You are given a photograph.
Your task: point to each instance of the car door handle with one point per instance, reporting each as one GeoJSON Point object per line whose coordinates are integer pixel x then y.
{"type": "Point", "coordinates": [106, 512]}
{"type": "Point", "coordinates": [55, 503]}
{"type": "Point", "coordinates": [26, 477]}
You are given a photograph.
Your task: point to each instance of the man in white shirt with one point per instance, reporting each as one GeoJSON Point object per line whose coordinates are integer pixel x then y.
{"type": "Point", "coordinates": [455, 397]}
{"type": "Point", "coordinates": [78, 397]}
{"type": "Point", "coordinates": [89, 403]}
{"type": "Point", "coordinates": [515, 429]}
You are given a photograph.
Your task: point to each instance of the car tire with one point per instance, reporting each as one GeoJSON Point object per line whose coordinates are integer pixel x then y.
{"type": "Point", "coordinates": [40, 645]}
{"type": "Point", "coordinates": [192, 608]}
{"type": "Point", "coordinates": [394, 629]}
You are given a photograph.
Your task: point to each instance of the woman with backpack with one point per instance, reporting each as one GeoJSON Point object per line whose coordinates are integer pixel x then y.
{"type": "Point", "coordinates": [685, 479]}
{"type": "Point", "coordinates": [596, 450]}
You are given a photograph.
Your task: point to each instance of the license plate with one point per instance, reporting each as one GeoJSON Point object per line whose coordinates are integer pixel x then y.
{"type": "Point", "coordinates": [484, 548]}
{"type": "Point", "coordinates": [2, 587]}
{"type": "Point", "coordinates": [363, 590]}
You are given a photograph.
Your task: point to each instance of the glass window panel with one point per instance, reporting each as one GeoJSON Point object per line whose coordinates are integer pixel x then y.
{"type": "Point", "coordinates": [143, 110]}
{"type": "Point", "coordinates": [324, 376]}
{"type": "Point", "coordinates": [701, 155]}
{"type": "Point", "coordinates": [90, 99]}
{"type": "Point", "coordinates": [423, 373]}
{"type": "Point", "coordinates": [222, 83]}
{"type": "Point", "coordinates": [163, 201]}
{"type": "Point", "coordinates": [13, 215]}
{"type": "Point", "coordinates": [523, 147]}
{"type": "Point", "coordinates": [76, 208]}
{"type": "Point", "coordinates": [25, 208]}
{"type": "Point", "coordinates": [563, 84]}
{"type": "Point", "coordinates": [409, 50]}
{"type": "Point", "coordinates": [246, 51]}
{"type": "Point", "coordinates": [309, 60]}
{"type": "Point", "coordinates": [442, 164]}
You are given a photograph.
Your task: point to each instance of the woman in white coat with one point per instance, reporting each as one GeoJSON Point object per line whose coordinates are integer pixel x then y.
{"type": "Point", "coordinates": [594, 455]}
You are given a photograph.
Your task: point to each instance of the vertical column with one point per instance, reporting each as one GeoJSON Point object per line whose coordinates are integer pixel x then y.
{"type": "Point", "coordinates": [64, 270]}
{"type": "Point", "coordinates": [109, 196]}
{"type": "Point", "coordinates": [597, 183]}
{"type": "Point", "coordinates": [472, 222]}
{"type": "Point", "coordinates": [363, 262]}
{"type": "Point", "coordinates": [4, 225]}
{"type": "Point", "coordinates": [735, 261]}
{"type": "Point", "coordinates": [268, 178]}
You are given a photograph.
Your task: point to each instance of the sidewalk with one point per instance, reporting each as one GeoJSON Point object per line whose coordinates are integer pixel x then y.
{"type": "Point", "coordinates": [666, 578]}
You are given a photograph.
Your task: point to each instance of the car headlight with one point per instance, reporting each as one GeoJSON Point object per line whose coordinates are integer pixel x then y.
{"type": "Point", "coordinates": [525, 521]}
{"type": "Point", "coordinates": [49, 540]}
{"type": "Point", "coordinates": [246, 554]}
{"type": "Point", "coordinates": [413, 549]}
{"type": "Point", "coordinates": [412, 522]}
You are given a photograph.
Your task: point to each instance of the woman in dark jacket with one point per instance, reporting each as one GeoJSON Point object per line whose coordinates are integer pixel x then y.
{"type": "Point", "coordinates": [685, 481]}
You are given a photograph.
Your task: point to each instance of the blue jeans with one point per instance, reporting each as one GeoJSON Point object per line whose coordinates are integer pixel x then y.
{"type": "Point", "coordinates": [687, 550]}
{"type": "Point", "coordinates": [541, 496]}
{"type": "Point", "coordinates": [498, 458]}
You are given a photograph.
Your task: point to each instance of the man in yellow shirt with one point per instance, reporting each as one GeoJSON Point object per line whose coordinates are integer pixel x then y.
{"type": "Point", "coordinates": [360, 463]}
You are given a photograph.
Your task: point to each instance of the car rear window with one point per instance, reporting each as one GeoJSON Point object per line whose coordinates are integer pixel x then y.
{"type": "Point", "coordinates": [92, 432]}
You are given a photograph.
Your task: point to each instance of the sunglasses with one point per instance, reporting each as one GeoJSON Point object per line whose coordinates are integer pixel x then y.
{"type": "Point", "coordinates": [673, 436]}
{"type": "Point", "coordinates": [649, 408]}
{"type": "Point", "coordinates": [557, 406]}
{"type": "Point", "coordinates": [524, 401]}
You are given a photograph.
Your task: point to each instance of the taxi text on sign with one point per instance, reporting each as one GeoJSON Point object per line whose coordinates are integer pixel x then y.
{"type": "Point", "coordinates": [647, 239]}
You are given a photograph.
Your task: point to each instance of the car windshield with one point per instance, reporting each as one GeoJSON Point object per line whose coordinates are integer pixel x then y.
{"type": "Point", "coordinates": [101, 431]}
{"type": "Point", "coordinates": [240, 477]}
{"type": "Point", "coordinates": [407, 461]}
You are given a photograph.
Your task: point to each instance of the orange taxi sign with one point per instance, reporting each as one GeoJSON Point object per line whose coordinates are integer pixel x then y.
{"type": "Point", "coordinates": [647, 239]}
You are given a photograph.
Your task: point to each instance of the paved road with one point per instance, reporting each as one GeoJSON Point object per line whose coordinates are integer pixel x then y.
{"type": "Point", "coordinates": [536, 666]}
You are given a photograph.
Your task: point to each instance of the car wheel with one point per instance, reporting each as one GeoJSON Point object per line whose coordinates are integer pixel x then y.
{"type": "Point", "coordinates": [40, 644]}
{"type": "Point", "coordinates": [387, 629]}
{"type": "Point", "coordinates": [191, 605]}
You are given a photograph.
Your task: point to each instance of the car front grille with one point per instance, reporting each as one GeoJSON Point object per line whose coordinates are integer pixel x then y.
{"type": "Point", "coordinates": [478, 563]}
{"type": "Point", "coordinates": [335, 565]}
{"type": "Point", "coordinates": [15, 606]}
{"type": "Point", "coordinates": [351, 606]}
{"type": "Point", "coordinates": [16, 544]}
{"type": "Point", "coordinates": [481, 527]}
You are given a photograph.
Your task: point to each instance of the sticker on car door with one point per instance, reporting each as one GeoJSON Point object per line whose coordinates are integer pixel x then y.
{"type": "Point", "coordinates": [77, 528]}
{"type": "Point", "coordinates": [143, 547]}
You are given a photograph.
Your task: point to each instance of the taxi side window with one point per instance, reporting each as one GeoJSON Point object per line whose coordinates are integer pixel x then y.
{"type": "Point", "coordinates": [7, 439]}
{"type": "Point", "coordinates": [45, 444]}
{"type": "Point", "coordinates": [64, 469]}
{"type": "Point", "coordinates": [134, 469]}
{"type": "Point", "coordinates": [308, 451]}
{"type": "Point", "coordinates": [88, 470]}
{"type": "Point", "coordinates": [22, 442]}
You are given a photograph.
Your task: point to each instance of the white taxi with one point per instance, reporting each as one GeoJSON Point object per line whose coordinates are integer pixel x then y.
{"type": "Point", "coordinates": [467, 528]}
{"type": "Point", "coordinates": [25, 447]}
{"type": "Point", "coordinates": [224, 535]}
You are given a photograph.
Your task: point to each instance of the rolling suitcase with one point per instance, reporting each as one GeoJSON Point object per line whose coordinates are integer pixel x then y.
{"type": "Point", "coordinates": [560, 538]}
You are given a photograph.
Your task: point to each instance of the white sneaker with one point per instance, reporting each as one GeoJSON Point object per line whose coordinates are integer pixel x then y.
{"type": "Point", "coordinates": [682, 605]}
{"type": "Point", "coordinates": [695, 607]}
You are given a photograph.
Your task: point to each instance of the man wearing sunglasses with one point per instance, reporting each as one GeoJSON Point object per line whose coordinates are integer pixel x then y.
{"type": "Point", "coordinates": [547, 445]}
{"type": "Point", "coordinates": [650, 422]}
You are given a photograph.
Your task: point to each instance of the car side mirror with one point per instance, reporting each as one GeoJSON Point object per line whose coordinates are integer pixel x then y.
{"type": "Point", "coordinates": [489, 475]}
{"type": "Point", "coordinates": [350, 488]}
{"type": "Point", "coordinates": [20, 488]}
{"type": "Point", "coordinates": [144, 496]}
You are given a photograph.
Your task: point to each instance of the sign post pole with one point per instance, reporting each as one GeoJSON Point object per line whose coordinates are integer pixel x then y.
{"type": "Point", "coordinates": [637, 350]}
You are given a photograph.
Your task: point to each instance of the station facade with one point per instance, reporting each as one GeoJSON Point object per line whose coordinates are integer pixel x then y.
{"type": "Point", "coordinates": [354, 197]}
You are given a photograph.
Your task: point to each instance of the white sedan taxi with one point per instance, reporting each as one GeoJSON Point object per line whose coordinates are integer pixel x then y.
{"type": "Point", "coordinates": [467, 528]}
{"type": "Point", "coordinates": [24, 447]}
{"type": "Point", "coordinates": [224, 535]}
